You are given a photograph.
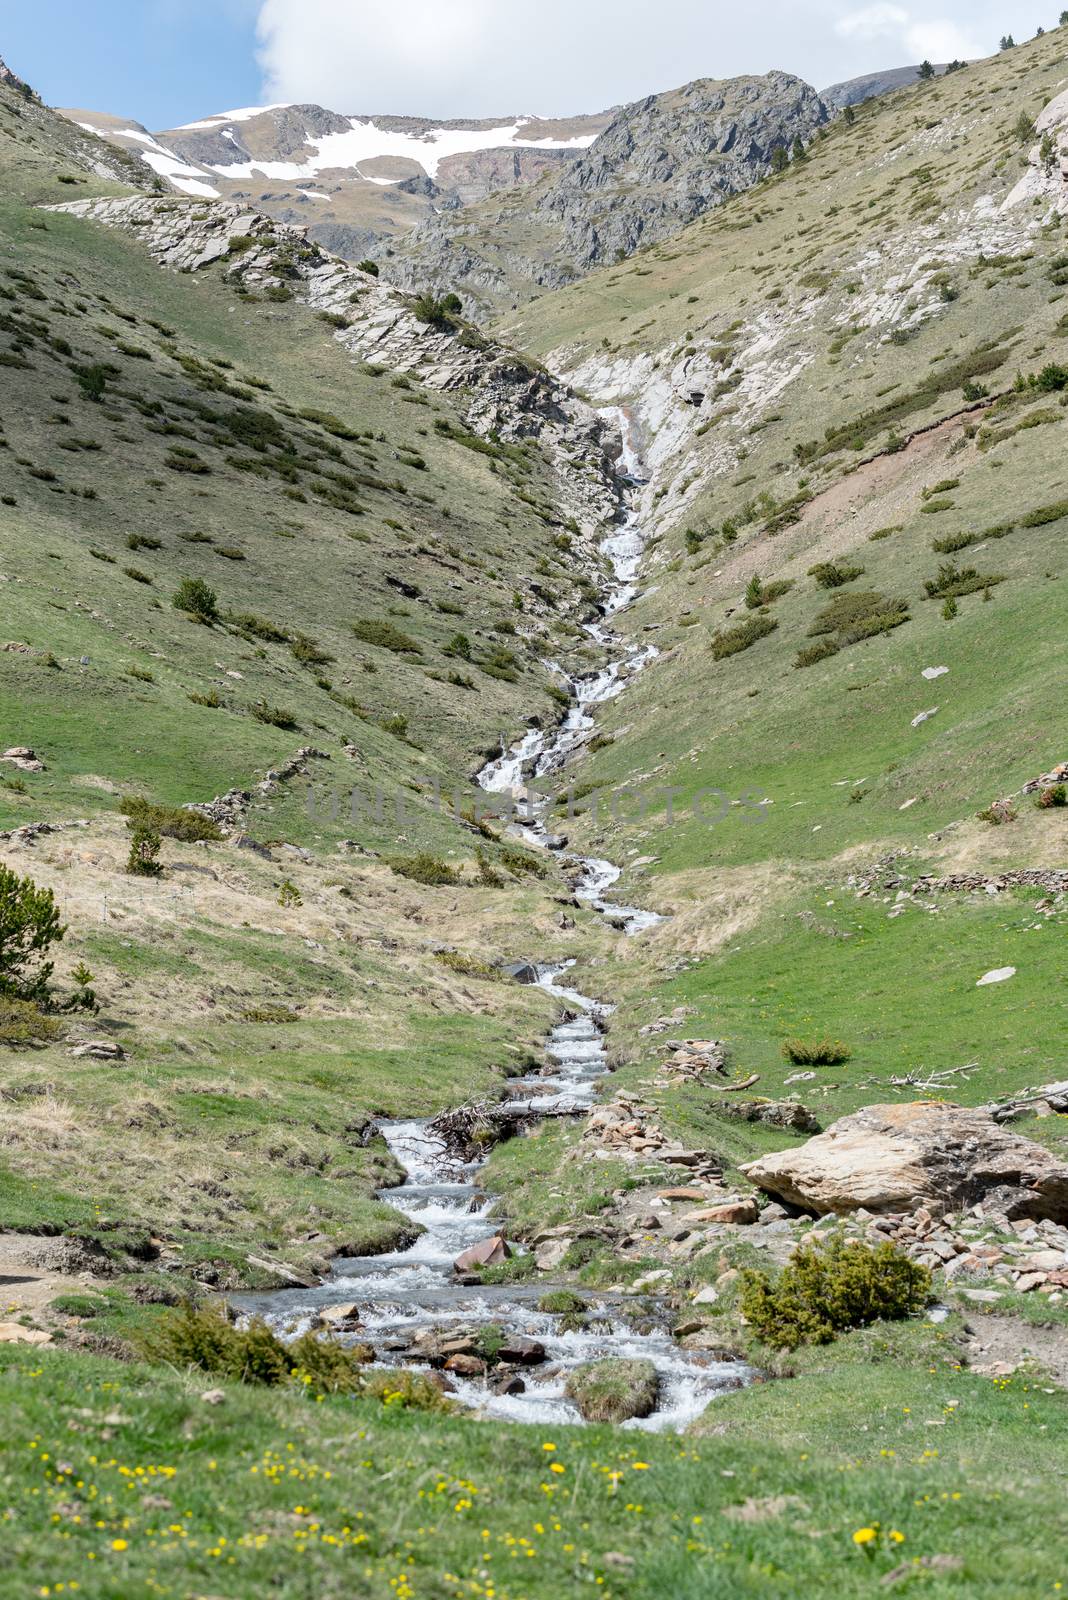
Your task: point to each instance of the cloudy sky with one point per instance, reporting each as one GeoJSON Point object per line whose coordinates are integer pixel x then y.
{"type": "Point", "coordinates": [168, 61]}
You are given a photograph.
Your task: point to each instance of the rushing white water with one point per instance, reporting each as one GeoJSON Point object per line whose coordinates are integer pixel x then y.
{"type": "Point", "coordinates": [415, 1291]}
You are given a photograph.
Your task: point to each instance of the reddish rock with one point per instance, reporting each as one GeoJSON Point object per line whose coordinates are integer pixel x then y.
{"type": "Point", "coordinates": [739, 1212]}
{"type": "Point", "coordinates": [487, 1253]}
{"type": "Point", "coordinates": [466, 1366]}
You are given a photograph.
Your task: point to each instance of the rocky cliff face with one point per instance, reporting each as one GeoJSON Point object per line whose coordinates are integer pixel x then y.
{"type": "Point", "coordinates": [502, 394]}
{"type": "Point", "coordinates": [660, 163]}
{"type": "Point", "coordinates": [465, 179]}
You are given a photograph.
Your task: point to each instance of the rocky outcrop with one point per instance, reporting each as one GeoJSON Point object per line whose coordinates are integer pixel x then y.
{"type": "Point", "coordinates": [228, 811]}
{"type": "Point", "coordinates": [899, 1157]}
{"type": "Point", "coordinates": [22, 757]}
{"type": "Point", "coordinates": [498, 392]}
{"type": "Point", "coordinates": [12, 80]}
{"type": "Point", "coordinates": [475, 175]}
{"type": "Point", "coordinates": [660, 163]}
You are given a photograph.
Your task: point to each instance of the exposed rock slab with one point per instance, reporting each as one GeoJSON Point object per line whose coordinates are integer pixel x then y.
{"type": "Point", "coordinates": [888, 1157]}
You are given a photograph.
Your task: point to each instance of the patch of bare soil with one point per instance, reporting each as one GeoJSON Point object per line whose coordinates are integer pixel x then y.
{"type": "Point", "coordinates": [994, 1340]}
{"type": "Point", "coordinates": [33, 1271]}
{"type": "Point", "coordinates": [876, 494]}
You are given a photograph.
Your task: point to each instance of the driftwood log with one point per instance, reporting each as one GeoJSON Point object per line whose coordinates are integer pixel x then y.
{"type": "Point", "coordinates": [467, 1130]}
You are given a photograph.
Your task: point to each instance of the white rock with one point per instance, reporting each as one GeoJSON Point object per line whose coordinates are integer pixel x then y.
{"type": "Point", "coordinates": [996, 975]}
{"type": "Point", "coordinates": [934, 672]}
{"type": "Point", "coordinates": [924, 716]}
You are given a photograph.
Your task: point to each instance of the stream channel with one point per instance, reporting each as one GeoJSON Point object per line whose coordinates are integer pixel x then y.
{"type": "Point", "coordinates": [413, 1292]}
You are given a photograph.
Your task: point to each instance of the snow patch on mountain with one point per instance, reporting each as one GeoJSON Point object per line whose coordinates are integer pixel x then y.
{"type": "Point", "coordinates": [190, 180]}
{"type": "Point", "coordinates": [365, 140]}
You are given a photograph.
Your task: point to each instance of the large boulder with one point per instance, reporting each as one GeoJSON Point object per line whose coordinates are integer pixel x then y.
{"type": "Point", "coordinates": [896, 1158]}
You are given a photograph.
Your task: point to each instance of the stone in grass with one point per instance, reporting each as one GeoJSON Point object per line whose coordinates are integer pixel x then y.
{"type": "Point", "coordinates": [100, 1050]}
{"type": "Point", "coordinates": [995, 975]}
{"type": "Point", "coordinates": [15, 1333]}
{"type": "Point", "coordinates": [613, 1390]}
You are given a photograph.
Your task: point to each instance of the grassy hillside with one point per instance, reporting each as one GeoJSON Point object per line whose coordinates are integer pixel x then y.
{"type": "Point", "coordinates": [385, 595]}
{"type": "Point", "coordinates": [823, 377]}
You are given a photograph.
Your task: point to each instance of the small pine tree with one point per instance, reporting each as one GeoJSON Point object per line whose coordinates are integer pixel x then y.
{"type": "Point", "coordinates": [779, 159]}
{"type": "Point", "coordinates": [926, 70]}
{"type": "Point", "coordinates": [849, 116]}
{"type": "Point", "coordinates": [1007, 43]}
{"type": "Point", "coordinates": [289, 894]}
{"type": "Point", "coordinates": [144, 848]}
{"type": "Point", "coordinates": [1047, 154]}
{"type": "Point", "coordinates": [949, 609]}
{"type": "Point", "coordinates": [29, 926]}
{"type": "Point", "coordinates": [754, 593]}
{"type": "Point", "coordinates": [798, 151]}
{"type": "Point", "coordinates": [1064, 19]}
{"type": "Point", "coordinates": [1025, 128]}
{"type": "Point", "coordinates": [84, 998]}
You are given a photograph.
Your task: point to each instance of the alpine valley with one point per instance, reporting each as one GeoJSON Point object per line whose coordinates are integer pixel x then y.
{"type": "Point", "coordinates": [534, 845]}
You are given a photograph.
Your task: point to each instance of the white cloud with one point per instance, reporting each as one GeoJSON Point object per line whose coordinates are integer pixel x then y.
{"type": "Point", "coordinates": [873, 22]}
{"type": "Point", "coordinates": [918, 39]}
{"type": "Point", "coordinates": [498, 58]}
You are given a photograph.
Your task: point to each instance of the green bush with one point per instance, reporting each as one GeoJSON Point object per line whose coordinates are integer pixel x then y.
{"type": "Point", "coordinates": [1056, 795]}
{"type": "Point", "coordinates": [171, 822]}
{"type": "Point", "coordinates": [1043, 514]}
{"type": "Point", "coordinates": [203, 1337]}
{"type": "Point", "coordinates": [372, 630]}
{"type": "Point", "coordinates": [519, 861]}
{"type": "Point", "coordinates": [816, 652]}
{"type": "Point", "coordinates": [853, 616]}
{"type": "Point", "coordinates": [438, 313]}
{"type": "Point", "coordinates": [731, 641]}
{"type": "Point", "coordinates": [24, 1026]}
{"type": "Point", "coordinates": [956, 581]}
{"type": "Point", "coordinates": [816, 1052]}
{"type": "Point", "coordinates": [29, 926]}
{"type": "Point", "coordinates": [425, 868]}
{"type": "Point", "coordinates": [274, 716]}
{"type": "Point", "coordinates": [256, 627]}
{"type": "Point", "coordinates": [308, 652]}
{"type": "Point", "coordinates": [198, 598]}
{"type": "Point", "coordinates": [831, 576]}
{"type": "Point", "coordinates": [829, 1288]}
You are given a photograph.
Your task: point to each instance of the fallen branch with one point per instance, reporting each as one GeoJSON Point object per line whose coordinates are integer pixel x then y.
{"type": "Point", "coordinates": [932, 1083]}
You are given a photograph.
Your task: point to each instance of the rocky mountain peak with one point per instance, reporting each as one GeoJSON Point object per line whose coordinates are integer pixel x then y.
{"type": "Point", "coordinates": [661, 162]}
